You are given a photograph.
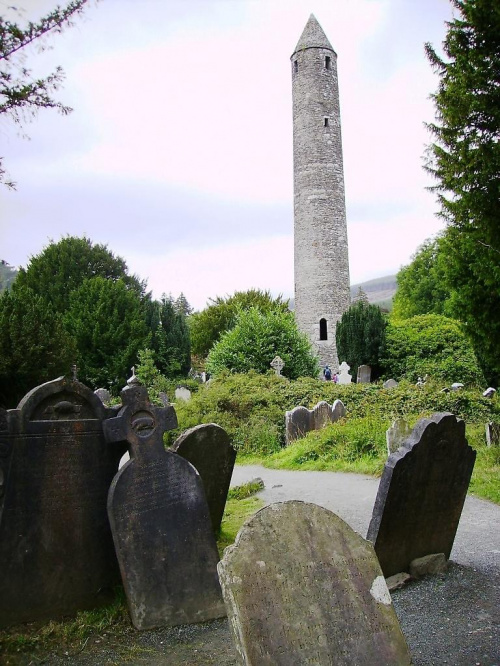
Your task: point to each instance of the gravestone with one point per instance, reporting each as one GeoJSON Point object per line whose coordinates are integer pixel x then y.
{"type": "Point", "coordinates": [209, 449]}
{"type": "Point", "coordinates": [300, 420]}
{"type": "Point", "coordinates": [344, 376]}
{"type": "Point", "coordinates": [104, 395]}
{"type": "Point", "coordinates": [422, 493]}
{"type": "Point", "coordinates": [492, 434]}
{"type": "Point", "coordinates": [396, 435]}
{"type": "Point", "coordinates": [364, 374]}
{"type": "Point", "coordinates": [160, 522]}
{"type": "Point", "coordinates": [390, 383]}
{"type": "Point", "coordinates": [182, 393]}
{"type": "Point", "coordinates": [489, 393]}
{"type": "Point", "coordinates": [277, 364]}
{"type": "Point", "coordinates": [301, 587]}
{"type": "Point", "coordinates": [56, 549]}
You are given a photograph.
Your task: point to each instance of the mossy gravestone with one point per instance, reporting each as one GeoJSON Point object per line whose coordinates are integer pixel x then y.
{"type": "Point", "coordinates": [209, 449]}
{"type": "Point", "coordinates": [160, 522]}
{"type": "Point", "coordinates": [301, 587]}
{"type": "Point", "coordinates": [56, 549]}
{"type": "Point", "coordinates": [421, 494]}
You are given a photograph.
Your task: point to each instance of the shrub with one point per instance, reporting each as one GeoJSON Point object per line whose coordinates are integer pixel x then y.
{"type": "Point", "coordinates": [430, 345]}
{"type": "Point", "coordinates": [256, 339]}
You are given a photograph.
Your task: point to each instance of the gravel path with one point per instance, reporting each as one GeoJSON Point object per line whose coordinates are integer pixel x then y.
{"type": "Point", "coordinates": [452, 619]}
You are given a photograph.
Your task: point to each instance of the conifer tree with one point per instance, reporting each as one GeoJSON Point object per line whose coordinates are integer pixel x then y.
{"type": "Point", "coordinates": [360, 337]}
{"type": "Point", "coordinates": [465, 160]}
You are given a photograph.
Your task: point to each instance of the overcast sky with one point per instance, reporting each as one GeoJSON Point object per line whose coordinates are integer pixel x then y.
{"type": "Point", "coordinates": [178, 154]}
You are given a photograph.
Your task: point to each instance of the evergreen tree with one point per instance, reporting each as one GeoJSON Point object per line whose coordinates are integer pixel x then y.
{"type": "Point", "coordinates": [360, 337]}
{"type": "Point", "coordinates": [21, 94]}
{"type": "Point", "coordinates": [465, 160]}
{"type": "Point", "coordinates": [63, 267]}
{"type": "Point", "coordinates": [35, 345]}
{"type": "Point", "coordinates": [170, 340]}
{"type": "Point", "coordinates": [106, 321]}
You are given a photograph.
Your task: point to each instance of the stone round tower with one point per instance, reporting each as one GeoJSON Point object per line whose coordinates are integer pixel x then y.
{"type": "Point", "coordinates": [321, 262]}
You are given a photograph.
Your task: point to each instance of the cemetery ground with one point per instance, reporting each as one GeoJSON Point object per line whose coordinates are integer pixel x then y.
{"type": "Point", "coordinates": [447, 619]}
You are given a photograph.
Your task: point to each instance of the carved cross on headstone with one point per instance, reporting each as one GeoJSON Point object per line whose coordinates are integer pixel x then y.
{"type": "Point", "coordinates": [160, 521]}
{"type": "Point", "coordinates": [140, 423]}
{"type": "Point", "coordinates": [277, 364]}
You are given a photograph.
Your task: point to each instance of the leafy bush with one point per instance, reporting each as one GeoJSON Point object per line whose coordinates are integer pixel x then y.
{"type": "Point", "coordinates": [430, 345]}
{"type": "Point", "coordinates": [256, 339]}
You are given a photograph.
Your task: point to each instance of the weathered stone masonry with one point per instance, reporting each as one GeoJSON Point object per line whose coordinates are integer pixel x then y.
{"type": "Point", "coordinates": [320, 232]}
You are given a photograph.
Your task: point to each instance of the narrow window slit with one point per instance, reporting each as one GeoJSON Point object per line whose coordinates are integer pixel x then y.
{"type": "Point", "coordinates": [328, 62]}
{"type": "Point", "coordinates": [323, 329]}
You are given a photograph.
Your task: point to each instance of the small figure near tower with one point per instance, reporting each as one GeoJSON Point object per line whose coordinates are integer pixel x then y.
{"type": "Point", "coordinates": [321, 262]}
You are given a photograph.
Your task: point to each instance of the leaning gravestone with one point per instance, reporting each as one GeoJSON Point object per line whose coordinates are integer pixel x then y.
{"type": "Point", "coordinates": [56, 549]}
{"type": "Point", "coordinates": [160, 522]}
{"type": "Point", "coordinates": [300, 420]}
{"type": "Point", "coordinates": [396, 435]}
{"type": "Point", "coordinates": [364, 374]}
{"type": "Point", "coordinates": [104, 396]}
{"type": "Point", "coordinates": [301, 587]}
{"type": "Point", "coordinates": [209, 449]}
{"type": "Point", "coordinates": [390, 383]}
{"type": "Point", "coordinates": [422, 493]}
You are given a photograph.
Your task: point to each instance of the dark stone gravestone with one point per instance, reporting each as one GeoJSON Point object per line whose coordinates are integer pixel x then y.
{"type": "Point", "coordinates": [421, 494]}
{"type": "Point", "coordinates": [209, 449]}
{"type": "Point", "coordinates": [364, 374]}
{"type": "Point", "coordinates": [56, 548]}
{"type": "Point", "coordinates": [160, 522]}
{"type": "Point", "coordinates": [301, 587]}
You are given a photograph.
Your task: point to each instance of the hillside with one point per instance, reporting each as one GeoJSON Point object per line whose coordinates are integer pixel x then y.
{"type": "Point", "coordinates": [379, 291]}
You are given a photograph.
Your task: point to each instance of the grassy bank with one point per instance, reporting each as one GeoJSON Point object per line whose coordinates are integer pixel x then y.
{"type": "Point", "coordinates": [251, 408]}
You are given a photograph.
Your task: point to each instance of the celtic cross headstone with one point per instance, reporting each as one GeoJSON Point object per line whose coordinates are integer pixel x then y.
{"type": "Point", "coordinates": [160, 522]}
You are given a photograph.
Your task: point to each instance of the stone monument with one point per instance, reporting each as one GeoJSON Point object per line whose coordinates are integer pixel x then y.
{"type": "Point", "coordinates": [421, 494]}
{"type": "Point", "coordinates": [344, 376]}
{"type": "Point", "coordinates": [321, 264]}
{"type": "Point", "coordinates": [300, 420]}
{"type": "Point", "coordinates": [364, 374]}
{"type": "Point", "coordinates": [301, 587]}
{"type": "Point", "coordinates": [56, 549]}
{"type": "Point", "coordinates": [160, 522]}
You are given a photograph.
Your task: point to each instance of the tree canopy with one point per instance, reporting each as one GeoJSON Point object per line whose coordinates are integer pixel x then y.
{"type": "Point", "coordinates": [256, 339]}
{"type": "Point", "coordinates": [423, 285]}
{"type": "Point", "coordinates": [207, 326]}
{"type": "Point", "coordinates": [21, 95]}
{"type": "Point", "coordinates": [465, 160]}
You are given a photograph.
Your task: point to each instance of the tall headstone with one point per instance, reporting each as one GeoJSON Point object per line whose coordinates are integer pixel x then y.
{"type": "Point", "coordinates": [301, 587]}
{"type": "Point", "coordinates": [160, 522]}
{"type": "Point", "coordinates": [56, 549]}
{"type": "Point", "coordinates": [421, 494]}
{"type": "Point", "coordinates": [321, 263]}
{"type": "Point", "coordinates": [209, 449]}
{"type": "Point", "coordinates": [364, 374]}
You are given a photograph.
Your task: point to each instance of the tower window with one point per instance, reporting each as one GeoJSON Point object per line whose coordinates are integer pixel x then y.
{"type": "Point", "coordinates": [295, 66]}
{"type": "Point", "coordinates": [323, 329]}
{"type": "Point", "coordinates": [327, 122]}
{"type": "Point", "coordinates": [328, 62]}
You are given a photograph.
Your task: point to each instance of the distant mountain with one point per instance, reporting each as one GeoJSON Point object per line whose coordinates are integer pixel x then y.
{"type": "Point", "coordinates": [379, 291]}
{"type": "Point", "coordinates": [7, 275]}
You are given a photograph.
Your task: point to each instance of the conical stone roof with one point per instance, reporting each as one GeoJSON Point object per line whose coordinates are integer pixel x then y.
{"type": "Point", "coordinates": [313, 37]}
